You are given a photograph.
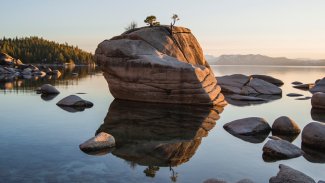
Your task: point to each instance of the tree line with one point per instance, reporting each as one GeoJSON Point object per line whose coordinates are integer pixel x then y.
{"type": "Point", "coordinates": [39, 50]}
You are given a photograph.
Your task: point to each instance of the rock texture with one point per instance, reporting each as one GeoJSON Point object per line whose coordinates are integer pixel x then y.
{"type": "Point", "coordinates": [285, 125]}
{"type": "Point", "coordinates": [247, 85]}
{"type": "Point", "coordinates": [290, 175]}
{"type": "Point", "coordinates": [48, 89]}
{"type": "Point", "coordinates": [74, 101]}
{"type": "Point", "coordinates": [280, 149]}
{"type": "Point", "coordinates": [319, 86]}
{"type": "Point", "coordinates": [151, 64]}
{"type": "Point", "coordinates": [269, 79]}
{"type": "Point", "coordinates": [318, 100]}
{"type": "Point", "coordinates": [100, 142]}
{"type": "Point", "coordinates": [248, 126]}
{"type": "Point", "coordinates": [313, 135]}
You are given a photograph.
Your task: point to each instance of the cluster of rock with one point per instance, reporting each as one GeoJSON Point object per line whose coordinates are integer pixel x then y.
{"type": "Point", "coordinates": [284, 131]}
{"type": "Point", "coordinates": [156, 64]}
{"type": "Point", "coordinates": [71, 103]}
{"type": "Point", "coordinates": [11, 68]}
{"type": "Point", "coordinates": [244, 90]}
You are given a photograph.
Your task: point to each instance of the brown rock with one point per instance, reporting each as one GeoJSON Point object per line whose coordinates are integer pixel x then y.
{"type": "Point", "coordinates": [151, 65]}
{"type": "Point", "coordinates": [318, 100]}
{"type": "Point", "coordinates": [285, 125]}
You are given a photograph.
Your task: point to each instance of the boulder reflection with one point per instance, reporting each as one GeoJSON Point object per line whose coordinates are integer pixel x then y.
{"type": "Point", "coordinates": [152, 134]}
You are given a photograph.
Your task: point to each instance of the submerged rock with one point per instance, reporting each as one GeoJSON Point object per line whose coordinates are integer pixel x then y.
{"type": "Point", "coordinates": [74, 101]}
{"type": "Point", "coordinates": [100, 142]}
{"type": "Point", "coordinates": [48, 89]}
{"type": "Point", "coordinates": [285, 125]}
{"type": "Point", "coordinates": [318, 100]}
{"type": "Point", "coordinates": [313, 135]}
{"type": "Point", "coordinates": [290, 175]}
{"type": "Point", "coordinates": [153, 64]}
{"type": "Point", "coordinates": [248, 126]}
{"type": "Point", "coordinates": [294, 95]}
{"type": "Point", "coordinates": [269, 79]}
{"type": "Point", "coordinates": [280, 149]}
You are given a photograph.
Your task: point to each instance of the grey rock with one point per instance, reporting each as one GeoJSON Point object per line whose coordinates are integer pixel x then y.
{"type": "Point", "coordinates": [269, 79]}
{"type": "Point", "coordinates": [313, 135]}
{"type": "Point", "coordinates": [281, 149]}
{"type": "Point", "coordinates": [303, 98]}
{"type": "Point", "coordinates": [98, 143]}
{"type": "Point", "coordinates": [319, 86]}
{"type": "Point", "coordinates": [318, 100]}
{"type": "Point", "coordinates": [248, 126]}
{"type": "Point", "coordinates": [317, 114]}
{"type": "Point", "coordinates": [74, 101]}
{"type": "Point", "coordinates": [296, 83]}
{"type": "Point", "coordinates": [294, 95]}
{"type": "Point", "coordinates": [232, 83]}
{"type": "Point", "coordinates": [290, 175]}
{"type": "Point", "coordinates": [275, 137]}
{"type": "Point", "coordinates": [48, 89]}
{"type": "Point", "coordinates": [285, 125]}
{"type": "Point", "coordinates": [264, 87]}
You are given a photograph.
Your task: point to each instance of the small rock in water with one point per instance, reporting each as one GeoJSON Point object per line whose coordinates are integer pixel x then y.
{"type": "Point", "coordinates": [48, 89]}
{"type": "Point", "coordinates": [74, 101]}
{"type": "Point", "coordinates": [290, 175]}
{"type": "Point", "coordinates": [100, 142]}
{"type": "Point", "coordinates": [285, 125]}
{"type": "Point", "coordinates": [296, 83]}
{"type": "Point", "coordinates": [248, 126]}
{"type": "Point", "coordinates": [214, 181]}
{"type": "Point", "coordinates": [318, 100]}
{"type": "Point", "coordinates": [303, 86]}
{"type": "Point", "coordinates": [294, 95]}
{"type": "Point", "coordinates": [280, 149]}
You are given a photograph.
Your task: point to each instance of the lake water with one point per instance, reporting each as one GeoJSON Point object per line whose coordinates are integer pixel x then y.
{"type": "Point", "coordinates": [157, 143]}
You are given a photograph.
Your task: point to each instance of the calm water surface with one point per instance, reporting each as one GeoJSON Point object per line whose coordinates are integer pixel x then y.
{"type": "Point", "coordinates": [158, 143]}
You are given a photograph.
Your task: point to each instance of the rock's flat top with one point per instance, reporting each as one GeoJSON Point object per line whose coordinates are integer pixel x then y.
{"type": "Point", "coordinates": [248, 126]}
{"type": "Point", "coordinates": [269, 79]}
{"type": "Point", "coordinates": [281, 149]}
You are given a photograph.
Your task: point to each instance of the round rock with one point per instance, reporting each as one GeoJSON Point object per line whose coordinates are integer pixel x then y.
{"type": "Point", "coordinates": [285, 125]}
{"type": "Point", "coordinates": [49, 89]}
{"type": "Point", "coordinates": [281, 149]}
{"type": "Point", "coordinates": [313, 135]}
{"type": "Point", "coordinates": [74, 101]}
{"type": "Point", "coordinates": [290, 175]}
{"type": "Point", "coordinates": [318, 100]}
{"type": "Point", "coordinates": [98, 143]}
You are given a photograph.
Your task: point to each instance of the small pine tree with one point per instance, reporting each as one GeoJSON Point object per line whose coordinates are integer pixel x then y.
{"type": "Point", "coordinates": [151, 21]}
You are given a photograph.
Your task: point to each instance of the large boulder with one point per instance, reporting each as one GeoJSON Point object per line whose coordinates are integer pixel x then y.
{"type": "Point", "coordinates": [290, 175]}
{"type": "Point", "coordinates": [313, 135]}
{"type": "Point", "coordinates": [269, 79]}
{"type": "Point", "coordinates": [155, 64]}
{"type": "Point", "coordinates": [248, 126]}
{"type": "Point", "coordinates": [264, 87]}
{"type": "Point", "coordinates": [318, 100]}
{"type": "Point", "coordinates": [285, 125]}
{"type": "Point", "coordinates": [319, 86]}
{"type": "Point", "coordinates": [280, 149]}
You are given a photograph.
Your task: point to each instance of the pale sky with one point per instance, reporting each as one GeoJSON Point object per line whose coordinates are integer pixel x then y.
{"type": "Point", "coordinates": [291, 28]}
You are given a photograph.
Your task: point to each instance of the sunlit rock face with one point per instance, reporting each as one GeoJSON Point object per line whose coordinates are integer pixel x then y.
{"type": "Point", "coordinates": [157, 134]}
{"type": "Point", "coordinates": [151, 64]}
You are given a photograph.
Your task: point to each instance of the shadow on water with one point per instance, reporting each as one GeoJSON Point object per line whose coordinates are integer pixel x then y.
{"type": "Point", "coordinates": [157, 135]}
{"type": "Point", "coordinates": [244, 103]}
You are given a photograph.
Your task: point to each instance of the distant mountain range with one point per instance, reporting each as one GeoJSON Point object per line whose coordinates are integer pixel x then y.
{"type": "Point", "coordinates": [261, 60]}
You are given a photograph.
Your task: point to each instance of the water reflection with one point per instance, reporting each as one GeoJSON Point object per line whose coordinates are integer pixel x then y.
{"type": "Point", "coordinates": [70, 76]}
{"type": "Point", "coordinates": [318, 114]}
{"type": "Point", "coordinates": [243, 103]}
{"type": "Point", "coordinates": [157, 135]}
{"type": "Point", "coordinates": [313, 155]}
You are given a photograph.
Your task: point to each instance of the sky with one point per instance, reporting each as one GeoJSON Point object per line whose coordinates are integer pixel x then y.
{"type": "Point", "coordinates": [290, 28]}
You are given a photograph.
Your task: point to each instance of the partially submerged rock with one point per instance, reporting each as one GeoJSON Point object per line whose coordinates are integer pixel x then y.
{"type": "Point", "coordinates": [100, 142]}
{"type": "Point", "coordinates": [264, 87]}
{"type": "Point", "coordinates": [48, 89]}
{"type": "Point", "coordinates": [317, 114]}
{"type": "Point", "coordinates": [296, 83]}
{"type": "Point", "coordinates": [285, 125]}
{"type": "Point", "coordinates": [318, 100]}
{"type": "Point", "coordinates": [151, 64]}
{"type": "Point", "coordinates": [313, 155]}
{"type": "Point", "coordinates": [290, 175]}
{"type": "Point", "coordinates": [248, 126]}
{"type": "Point", "coordinates": [294, 95]}
{"type": "Point", "coordinates": [246, 98]}
{"type": "Point", "coordinates": [280, 149]}
{"type": "Point", "coordinates": [304, 86]}
{"type": "Point", "coordinates": [313, 135]}
{"type": "Point", "coordinates": [269, 79]}
{"type": "Point", "coordinates": [319, 86]}
{"type": "Point", "coordinates": [74, 101]}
